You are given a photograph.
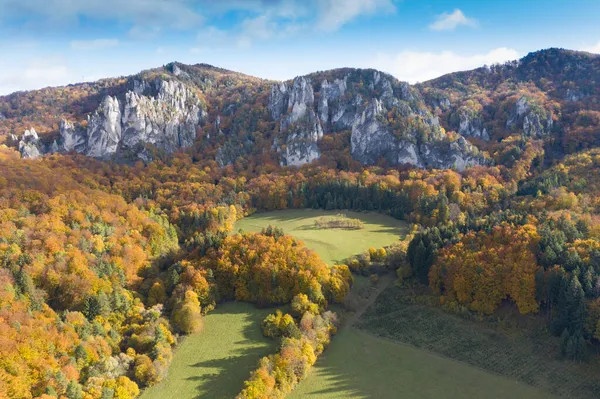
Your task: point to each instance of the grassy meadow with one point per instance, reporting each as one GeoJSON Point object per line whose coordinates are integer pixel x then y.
{"type": "Point", "coordinates": [380, 353]}
{"type": "Point", "coordinates": [333, 245]}
{"type": "Point", "coordinates": [360, 365]}
{"type": "Point", "coordinates": [527, 355]}
{"type": "Point", "coordinates": [215, 362]}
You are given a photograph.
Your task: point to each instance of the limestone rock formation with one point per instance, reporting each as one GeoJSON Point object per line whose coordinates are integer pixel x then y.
{"type": "Point", "coordinates": [471, 124]}
{"type": "Point", "coordinates": [29, 144]}
{"type": "Point", "coordinates": [164, 113]}
{"type": "Point", "coordinates": [360, 101]}
{"type": "Point", "coordinates": [532, 118]}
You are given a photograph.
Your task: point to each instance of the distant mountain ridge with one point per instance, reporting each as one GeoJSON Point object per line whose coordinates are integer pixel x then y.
{"type": "Point", "coordinates": [361, 115]}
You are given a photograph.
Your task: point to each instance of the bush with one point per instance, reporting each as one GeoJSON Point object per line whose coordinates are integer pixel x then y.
{"type": "Point", "coordinates": [340, 221]}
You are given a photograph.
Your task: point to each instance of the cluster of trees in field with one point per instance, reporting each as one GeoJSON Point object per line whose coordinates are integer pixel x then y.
{"type": "Point", "coordinates": [302, 339]}
{"type": "Point", "coordinates": [339, 221]}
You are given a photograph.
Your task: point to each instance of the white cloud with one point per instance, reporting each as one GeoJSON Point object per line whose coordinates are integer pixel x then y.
{"type": "Point", "coordinates": [592, 49]}
{"type": "Point", "coordinates": [35, 75]}
{"type": "Point", "coordinates": [333, 14]}
{"type": "Point", "coordinates": [450, 21]}
{"type": "Point", "coordinates": [95, 44]}
{"type": "Point", "coordinates": [261, 27]}
{"type": "Point", "coordinates": [414, 66]}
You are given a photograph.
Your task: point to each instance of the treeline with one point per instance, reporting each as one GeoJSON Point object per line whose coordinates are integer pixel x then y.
{"type": "Point", "coordinates": [551, 265]}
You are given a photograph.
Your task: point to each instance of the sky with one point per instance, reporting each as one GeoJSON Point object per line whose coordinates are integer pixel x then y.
{"type": "Point", "coordinates": [57, 42]}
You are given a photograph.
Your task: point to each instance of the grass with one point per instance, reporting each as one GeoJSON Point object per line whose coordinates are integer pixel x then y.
{"type": "Point", "coordinates": [359, 365]}
{"type": "Point", "coordinates": [333, 245]}
{"type": "Point", "coordinates": [215, 362]}
{"type": "Point", "coordinates": [525, 355]}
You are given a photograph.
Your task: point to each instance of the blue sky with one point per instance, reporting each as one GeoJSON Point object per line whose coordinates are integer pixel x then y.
{"type": "Point", "coordinates": [55, 42]}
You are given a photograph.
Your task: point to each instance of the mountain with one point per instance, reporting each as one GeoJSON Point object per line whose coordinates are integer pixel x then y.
{"type": "Point", "coordinates": [354, 115]}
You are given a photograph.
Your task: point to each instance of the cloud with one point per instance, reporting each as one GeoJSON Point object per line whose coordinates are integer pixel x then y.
{"type": "Point", "coordinates": [35, 74]}
{"type": "Point", "coordinates": [414, 66]}
{"type": "Point", "coordinates": [179, 14]}
{"type": "Point", "coordinates": [592, 49]}
{"type": "Point", "coordinates": [333, 14]}
{"type": "Point", "coordinates": [451, 21]}
{"type": "Point", "coordinates": [95, 44]}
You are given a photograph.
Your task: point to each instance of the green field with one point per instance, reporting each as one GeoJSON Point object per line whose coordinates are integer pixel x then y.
{"type": "Point", "coordinates": [215, 362]}
{"type": "Point", "coordinates": [359, 365]}
{"type": "Point", "coordinates": [333, 245]}
{"type": "Point", "coordinates": [527, 355]}
{"type": "Point", "coordinates": [387, 349]}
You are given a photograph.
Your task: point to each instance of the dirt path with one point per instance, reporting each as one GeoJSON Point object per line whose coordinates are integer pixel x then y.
{"type": "Point", "coordinates": [384, 282]}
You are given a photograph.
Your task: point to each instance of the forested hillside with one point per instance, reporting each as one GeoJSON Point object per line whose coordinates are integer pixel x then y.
{"type": "Point", "coordinates": [115, 233]}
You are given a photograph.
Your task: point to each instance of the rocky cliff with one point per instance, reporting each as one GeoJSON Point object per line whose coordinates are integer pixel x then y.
{"type": "Point", "coordinates": [163, 113]}
{"type": "Point", "coordinates": [373, 106]}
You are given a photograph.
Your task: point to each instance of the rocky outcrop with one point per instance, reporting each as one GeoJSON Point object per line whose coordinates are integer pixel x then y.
{"type": "Point", "coordinates": [104, 129]}
{"type": "Point", "coordinates": [471, 124]}
{"type": "Point", "coordinates": [168, 121]}
{"type": "Point", "coordinates": [163, 113]}
{"type": "Point", "coordinates": [360, 101]}
{"type": "Point", "coordinates": [278, 101]}
{"type": "Point", "coordinates": [373, 140]}
{"type": "Point", "coordinates": [300, 126]}
{"type": "Point", "coordinates": [533, 119]}
{"type": "Point", "coordinates": [73, 139]}
{"type": "Point", "coordinates": [30, 145]}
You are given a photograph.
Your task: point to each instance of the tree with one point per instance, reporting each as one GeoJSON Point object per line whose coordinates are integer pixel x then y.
{"type": "Point", "coordinates": [186, 315]}
{"type": "Point", "coordinates": [74, 390]}
{"type": "Point", "coordinates": [144, 371]}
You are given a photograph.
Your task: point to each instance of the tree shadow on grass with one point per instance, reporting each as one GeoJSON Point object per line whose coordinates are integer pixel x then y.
{"type": "Point", "coordinates": [224, 376]}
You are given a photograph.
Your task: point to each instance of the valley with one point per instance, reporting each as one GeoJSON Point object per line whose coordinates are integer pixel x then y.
{"type": "Point", "coordinates": [333, 245]}
{"type": "Point", "coordinates": [422, 240]}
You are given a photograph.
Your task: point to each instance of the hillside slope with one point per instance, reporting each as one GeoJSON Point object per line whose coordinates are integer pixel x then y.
{"type": "Point", "coordinates": [344, 115]}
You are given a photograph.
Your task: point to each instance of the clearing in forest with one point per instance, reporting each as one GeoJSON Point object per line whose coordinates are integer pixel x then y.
{"type": "Point", "coordinates": [527, 355]}
{"type": "Point", "coordinates": [334, 245]}
{"type": "Point", "coordinates": [215, 362]}
{"type": "Point", "coordinates": [361, 365]}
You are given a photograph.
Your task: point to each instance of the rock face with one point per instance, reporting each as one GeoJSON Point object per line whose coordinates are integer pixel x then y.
{"type": "Point", "coordinates": [29, 144]}
{"type": "Point", "coordinates": [300, 124]}
{"type": "Point", "coordinates": [104, 129]}
{"type": "Point", "coordinates": [532, 118]}
{"type": "Point", "coordinates": [372, 115]}
{"type": "Point", "coordinates": [471, 124]}
{"type": "Point", "coordinates": [167, 121]}
{"type": "Point", "coordinates": [162, 113]}
{"type": "Point", "coordinates": [372, 140]}
{"type": "Point", "coordinates": [359, 101]}
{"type": "Point", "coordinates": [73, 139]}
